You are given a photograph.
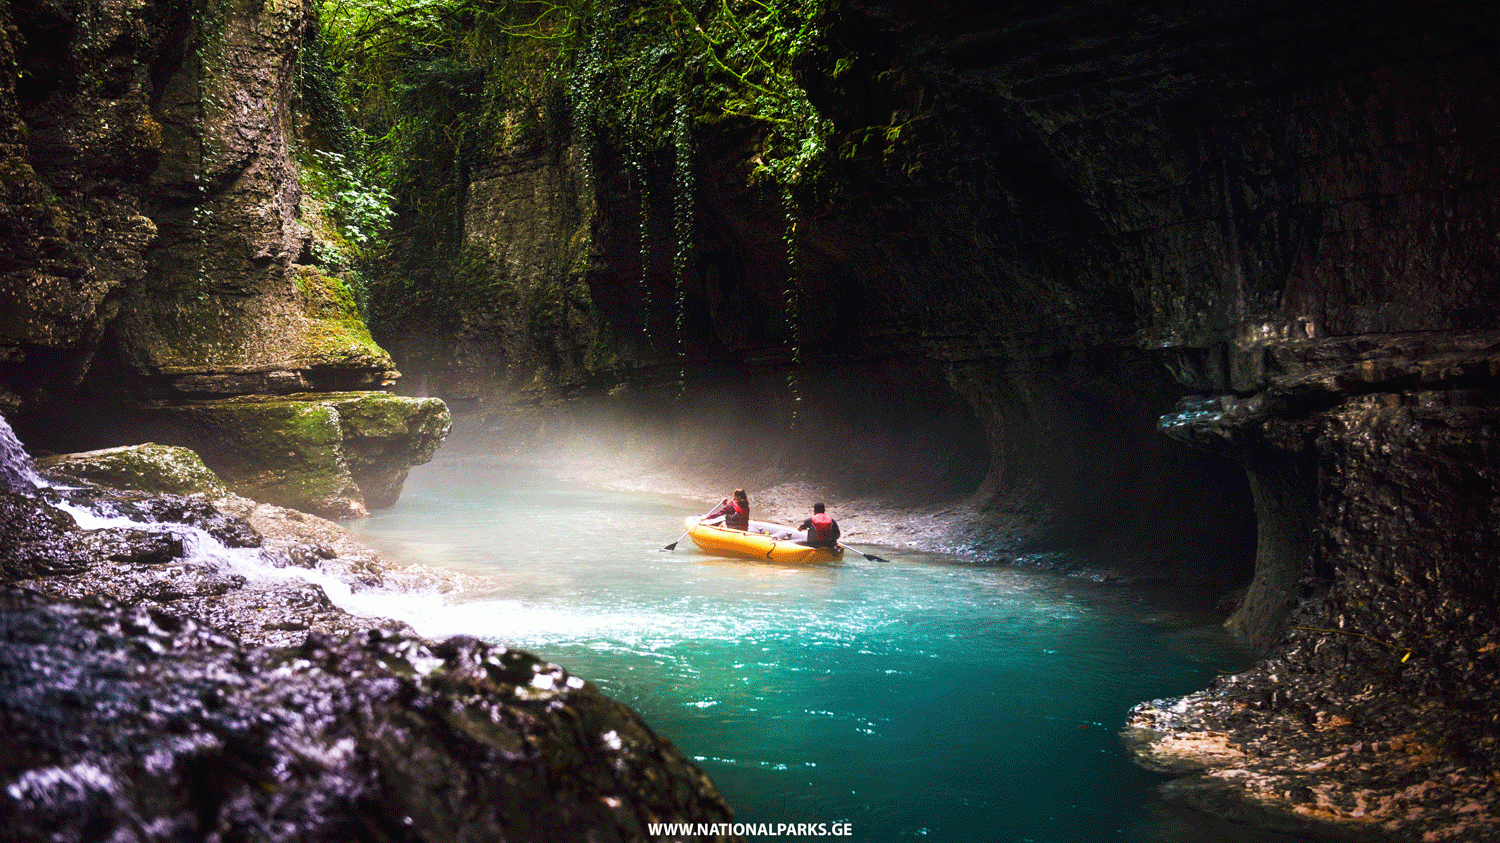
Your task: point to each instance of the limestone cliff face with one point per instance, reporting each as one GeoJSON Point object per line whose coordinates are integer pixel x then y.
{"type": "Point", "coordinates": [227, 309]}
{"type": "Point", "coordinates": [151, 256]}
{"type": "Point", "coordinates": [529, 322]}
{"type": "Point", "coordinates": [73, 224]}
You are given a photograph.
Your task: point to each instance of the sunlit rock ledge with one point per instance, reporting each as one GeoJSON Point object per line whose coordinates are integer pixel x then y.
{"type": "Point", "coordinates": [332, 454]}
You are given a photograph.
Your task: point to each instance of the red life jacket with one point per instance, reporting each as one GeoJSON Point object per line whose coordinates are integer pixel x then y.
{"type": "Point", "coordinates": [738, 517]}
{"type": "Point", "coordinates": [822, 527]}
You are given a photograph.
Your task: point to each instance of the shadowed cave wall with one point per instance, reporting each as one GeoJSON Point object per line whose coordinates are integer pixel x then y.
{"type": "Point", "coordinates": [1280, 214]}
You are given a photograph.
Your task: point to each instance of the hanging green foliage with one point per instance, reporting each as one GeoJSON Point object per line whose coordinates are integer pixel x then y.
{"type": "Point", "coordinates": [431, 82]}
{"type": "Point", "coordinates": [724, 59]}
{"type": "Point", "coordinates": [435, 87]}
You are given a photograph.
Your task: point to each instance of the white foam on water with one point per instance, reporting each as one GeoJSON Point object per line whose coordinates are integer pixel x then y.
{"type": "Point", "coordinates": [88, 519]}
{"type": "Point", "coordinates": [202, 548]}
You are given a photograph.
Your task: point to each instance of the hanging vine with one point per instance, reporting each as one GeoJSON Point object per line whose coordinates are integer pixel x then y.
{"type": "Point", "coordinates": [791, 303]}
{"type": "Point", "coordinates": [682, 228]}
{"type": "Point", "coordinates": [636, 154]}
{"type": "Point", "coordinates": [433, 85]}
{"type": "Point", "coordinates": [210, 53]}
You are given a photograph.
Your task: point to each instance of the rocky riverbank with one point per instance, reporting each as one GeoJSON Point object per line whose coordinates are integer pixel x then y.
{"type": "Point", "coordinates": [179, 671]}
{"type": "Point", "coordinates": [1314, 741]}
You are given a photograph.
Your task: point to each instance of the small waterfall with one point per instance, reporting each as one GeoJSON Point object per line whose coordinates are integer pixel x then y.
{"type": "Point", "coordinates": [17, 471]}
{"type": "Point", "coordinates": [259, 567]}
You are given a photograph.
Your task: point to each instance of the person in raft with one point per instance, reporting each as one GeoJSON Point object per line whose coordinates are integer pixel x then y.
{"type": "Point", "coordinates": [822, 530]}
{"type": "Point", "coordinates": [736, 511]}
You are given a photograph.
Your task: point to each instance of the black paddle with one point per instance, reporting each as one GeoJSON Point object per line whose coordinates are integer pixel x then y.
{"type": "Point", "coordinates": [673, 545]}
{"type": "Point", "coordinates": [870, 556]}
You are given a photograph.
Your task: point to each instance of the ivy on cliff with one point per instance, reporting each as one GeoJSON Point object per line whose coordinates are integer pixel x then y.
{"type": "Point", "coordinates": [433, 88]}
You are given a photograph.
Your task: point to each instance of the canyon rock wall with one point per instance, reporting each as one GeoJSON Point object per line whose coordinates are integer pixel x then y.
{"type": "Point", "coordinates": [1187, 265]}
{"type": "Point", "coordinates": [1290, 209]}
{"type": "Point", "coordinates": [1091, 225]}
{"type": "Point", "coordinates": [152, 251]}
{"type": "Point", "coordinates": [1159, 256]}
{"type": "Point", "coordinates": [1241, 226]}
{"type": "Point", "coordinates": [528, 322]}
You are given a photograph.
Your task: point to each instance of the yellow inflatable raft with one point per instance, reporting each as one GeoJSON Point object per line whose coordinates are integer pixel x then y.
{"type": "Point", "coordinates": [763, 540]}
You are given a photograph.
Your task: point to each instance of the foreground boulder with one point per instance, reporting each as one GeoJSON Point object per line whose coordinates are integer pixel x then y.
{"type": "Point", "coordinates": [133, 725]}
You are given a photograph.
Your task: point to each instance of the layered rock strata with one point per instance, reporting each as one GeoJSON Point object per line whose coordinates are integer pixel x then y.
{"type": "Point", "coordinates": [331, 454]}
{"type": "Point", "coordinates": [155, 261]}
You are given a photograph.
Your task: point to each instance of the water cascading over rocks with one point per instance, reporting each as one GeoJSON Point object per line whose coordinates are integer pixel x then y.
{"type": "Point", "coordinates": [17, 469]}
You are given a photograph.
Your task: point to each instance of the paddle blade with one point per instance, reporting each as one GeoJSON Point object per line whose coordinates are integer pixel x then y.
{"type": "Point", "coordinates": [870, 556]}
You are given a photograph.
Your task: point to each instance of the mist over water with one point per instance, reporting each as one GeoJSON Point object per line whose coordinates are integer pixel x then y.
{"type": "Point", "coordinates": [926, 697]}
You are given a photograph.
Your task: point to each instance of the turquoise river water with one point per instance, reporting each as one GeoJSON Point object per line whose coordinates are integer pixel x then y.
{"type": "Point", "coordinates": [920, 698]}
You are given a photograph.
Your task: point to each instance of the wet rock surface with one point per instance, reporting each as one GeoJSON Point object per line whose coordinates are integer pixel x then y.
{"type": "Point", "coordinates": [1315, 742]}
{"type": "Point", "coordinates": [165, 687]}
{"type": "Point", "coordinates": [186, 555]}
{"type": "Point", "coordinates": [136, 725]}
{"type": "Point", "coordinates": [1376, 711]}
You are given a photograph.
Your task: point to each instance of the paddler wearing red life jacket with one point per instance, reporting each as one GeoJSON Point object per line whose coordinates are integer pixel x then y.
{"type": "Point", "coordinates": [736, 511]}
{"type": "Point", "coordinates": [822, 530]}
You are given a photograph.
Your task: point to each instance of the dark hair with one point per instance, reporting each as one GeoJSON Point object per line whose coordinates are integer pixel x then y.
{"type": "Point", "coordinates": [739, 495]}
{"type": "Point", "coordinates": [817, 507]}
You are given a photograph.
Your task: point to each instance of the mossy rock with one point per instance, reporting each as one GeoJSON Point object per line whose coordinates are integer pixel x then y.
{"type": "Point", "coordinates": [285, 452]}
{"type": "Point", "coordinates": [385, 435]}
{"type": "Point", "coordinates": [386, 416]}
{"type": "Point", "coordinates": [159, 469]}
{"type": "Point", "coordinates": [335, 334]}
{"type": "Point", "coordinates": [331, 454]}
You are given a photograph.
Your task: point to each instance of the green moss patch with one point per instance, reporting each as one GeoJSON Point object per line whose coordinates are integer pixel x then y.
{"type": "Point", "coordinates": [159, 469]}
{"type": "Point", "coordinates": [330, 454]}
{"type": "Point", "coordinates": [335, 331]}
